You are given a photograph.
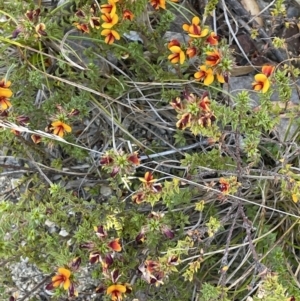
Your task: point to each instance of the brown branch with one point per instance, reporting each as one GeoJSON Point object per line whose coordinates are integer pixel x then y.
{"type": "Point", "coordinates": [239, 10]}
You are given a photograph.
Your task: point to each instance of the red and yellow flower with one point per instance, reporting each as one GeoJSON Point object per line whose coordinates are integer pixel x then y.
{"type": "Point", "coordinates": [184, 121]}
{"type": "Point", "coordinates": [177, 104]}
{"type": "Point", "coordinates": [151, 272]}
{"type": "Point", "coordinates": [59, 128]}
{"type": "Point", "coordinates": [138, 197]}
{"type": "Point", "coordinates": [148, 179]}
{"type": "Point", "coordinates": [4, 103]}
{"type": "Point", "coordinates": [40, 29]}
{"type": "Point", "coordinates": [220, 78]}
{"type": "Point", "coordinates": [194, 30]}
{"type": "Point", "coordinates": [133, 158]}
{"type": "Point", "coordinates": [63, 279]}
{"type": "Point", "coordinates": [213, 58]}
{"type": "Point", "coordinates": [83, 27]}
{"type": "Point", "coordinates": [267, 70]}
{"type": "Point", "coordinates": [204, 104]}
{"type": "Point", "coordinates": [110, 35]}
{"type": "Point", "coordinates": [191, 51]}
{"type": "Point", "coordinates": [178, 54]}
{"type": "Point", "coordinates": [108, 8]}
{"type": "Point", "coordinates": [95, 22]}
{"type": "Point", "coordinates": [36, 138]}
{"type": "Point", "coordinates": [110, 20]}
{"type": "Point", "coordinates": [204, 74]}
{"type": "Point", "coordinates": [115, 245]}
{"type": "Point", "coordinates": [116, 291]}
{"type": "Point", "coordinates": [224, 186]}
{"type": "Point", "coordinates": [128, 15]}
{"type": "Point", "coordinates": [157, 4]}
{"type": "Point", "coordinates": [33, 15]}
{"type": "Point", "coordinates": [212, 39]}
{"type": "Point", "coordinates": [262, 82]}
{"type": "Point", "coordinates": [4, 88]}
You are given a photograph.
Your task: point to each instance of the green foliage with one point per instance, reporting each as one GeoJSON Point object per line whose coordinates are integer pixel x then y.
{"type": "Point", "coordinates": [214, 159]}
{"type": "Point", "coordinates": [137, 163]}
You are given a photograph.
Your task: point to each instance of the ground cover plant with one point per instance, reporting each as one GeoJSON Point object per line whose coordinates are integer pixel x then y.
{"type": "Point", "coordinates": [141, 173]}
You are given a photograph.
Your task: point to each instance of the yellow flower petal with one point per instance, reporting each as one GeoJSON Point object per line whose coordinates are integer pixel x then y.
{"type": "Point", "coordinates": [208, 79]}
{"type": "Point", "coordinates": [198, 75]}
{"type": "Point", "coordinates": [266, 86]}
{"type": "Point", "coordinates": [196, 21]}
{"type": "Point", "coordinates": [64, 272]}
{"type": "Point", "coordinates": [260, 77]}
{"type": "Point", "coordinates": [116, 287]}
{"type": "Point", "coordinates": [56, 280]}
{"type": "Point", "coordinates": [220, 78]}
{"type": "Point", "coordinates": [185, 27]}
{"type": "Point", "coordinates": [181, 57]}
{"type": "Point", "coordinates": [67, 284]}
{"type": "Point", "coordinates": [5, 92]}
{"type": "Point", "coordinates": [67, 128]}
{"type": "Point", "coordinates": [173, 58]}
{"type": "Point", "coordinates": [5, 84]}
{"type": "Point", "coordinates": [175, 49]}
{"type": "Point", "coordinates": [295, 198]}
{"type": "Point", "coordinates": [262, 83]}
{"type": "Point", "coordinates": [5, 103]}
{"type": "Point", "coordinates": [204, 32]}
{"type": "Point", "coordinates": [115, 34]}
{"type": "Point", "coordinates": [105, 32]}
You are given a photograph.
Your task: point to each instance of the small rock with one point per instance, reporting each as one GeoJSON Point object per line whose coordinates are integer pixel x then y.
{"type": "Point", "coordinates": [105, 191]}
{"type": "Point", "coordinates": [63, 233]}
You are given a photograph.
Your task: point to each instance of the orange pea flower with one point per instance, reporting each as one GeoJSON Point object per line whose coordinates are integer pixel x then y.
{"type": "Point", "coordinates": [82, 27]}
{"type": "Point", "coordinates": [115, 245]}
{"type": "Point", "coordinates": [224, 186]}
{"type": "Point", "coordinates": [95, 22]}
{"type": "Point", "coordinates": [116, 291]}
{"type": "Point", "coordinates": [110, 35]}
{"type": "Point", "coordinates": [158, 4]}
{"type": "Point", "coordinates": [220, 78]}
{"type": "Point", "coordinates": [133, 158]}
{"type": "Point", "coordinates": [59, 128]}
{"type": "Point", "coordinates": [40, 29]}
{"type": "Point", "coordinates": [138, 197]}
{"type": "Point", "coordinates": [62, 278]}
{"type": "Point", "coordinates": [148, 179]}
{"type": "Point", "coordinates": [204, 74]}
{"type": "Point", "coordinates": [191, 51]}
{"type": "Point", "coordinates": [184, 121]}
{"type": "Point", "coordinates": [177, 104]}
{"type": "Point", "coordinates": [108, 8]}
{"type": "Point", "coordinates": [261, 83]}
{"type": "Point", "coordinates": [4, 103]}
{"type": "Point", "coordinates": [36, 138]}
{"type": "Point", "coordinates": [194, 30]}
{"type": "Point", "coordinates": [178, 54]}
{"type": "Point", "coordinates": [128, 15]}
{"type": "Point", "coordinates": [212, 39]}
{"type": "Point", "coordinates": [109, 20]}
{"type": "Point", "coordinates": [267, 70]}
{"type": "Point", "coordinates": [33, 15]}
{"type": "Point", "coordinates": [204, 104]}
{"type": "Point", "coordinates": [4, 88]}
{"type": "Point", "coordinates": [213, 58]}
